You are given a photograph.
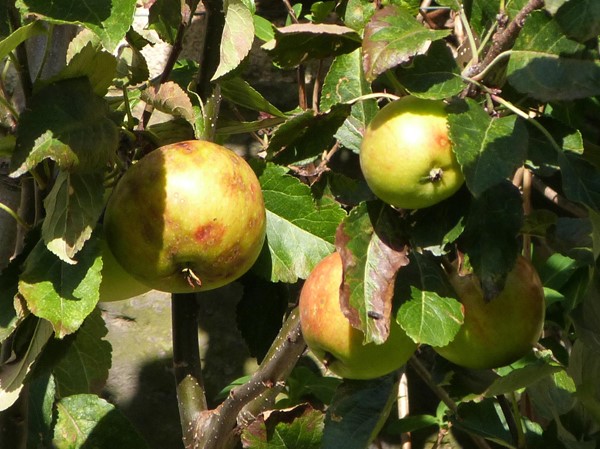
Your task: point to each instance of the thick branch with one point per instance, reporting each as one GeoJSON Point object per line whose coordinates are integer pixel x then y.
{"type": "Point", "coordinates": [505, 37]}
{"type": "Point", "coordinates": [186, 364]}
{"type": "Point", "coordinates": [216, 430]}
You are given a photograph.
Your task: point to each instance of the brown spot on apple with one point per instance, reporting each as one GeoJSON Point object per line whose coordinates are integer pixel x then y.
{"type": "Point", "coordinates": [209, 234]}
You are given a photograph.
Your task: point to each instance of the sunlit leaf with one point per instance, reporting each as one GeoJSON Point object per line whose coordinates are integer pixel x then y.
{"type": "Point", "coordinates": [238, 35]}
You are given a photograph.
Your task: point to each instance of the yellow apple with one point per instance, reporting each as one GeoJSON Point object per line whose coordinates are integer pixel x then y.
{"type": "Point", "coordinates": [187, 217]}
{"type": "Point", "coordinates": [331, 338]}
{"type": "Point", "coordinates": [501, 331]}
{"type": "Point", "coordinates": [406, 154]}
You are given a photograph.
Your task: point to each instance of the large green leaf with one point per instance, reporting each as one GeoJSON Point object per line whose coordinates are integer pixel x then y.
{"type": "Point", "coordinates": [109, 19]}
{"type": "Point", "coordinates": [487, 149]}
{"type": "Point", "coordinates": [240, 92]}
{"type": "Point", "coordinates": [346, 81]}
{"type": "Point", "coordinates": [73, 207]}
{"type": "Point", "coordinates": [394, 36]}
{"type": "Point", "coordinates": [68, 123]}
{"type": "Point", "coordinates": [238, 35]}
{"type": "Point", "coordinates": [580, 19]}
{"type": "Point", "coordinates": [294, 221]}
{"type": "Point", "coordinates": [85, 420]}
{"type": "Point", "coordinates": [61, 293]}
{"type": "Point", "coordinates": [547, 65]}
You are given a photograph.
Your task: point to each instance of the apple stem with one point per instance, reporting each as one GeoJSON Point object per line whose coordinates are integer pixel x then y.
{"type": "Point", "coordinates": [192, 278]}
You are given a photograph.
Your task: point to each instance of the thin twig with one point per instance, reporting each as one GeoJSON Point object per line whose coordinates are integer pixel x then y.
{"type": "Point", "coordinates": [505, 37]}
{"type": "Point", "coordinates": [554, 197]}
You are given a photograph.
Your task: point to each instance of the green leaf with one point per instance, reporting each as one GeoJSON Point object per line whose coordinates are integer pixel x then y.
{"type": "Point", "coordinates": [9, 280]}
{"type": "Point", "coordinates": [434, 75]}
{"type": "Point", "coordinates": [73, 207]}
{"type": "Point", "coordinates": [171, 99]}
{"type": "Point", "coordinates": [344, 82]}
{"type": "Point", "coordinates": [584, 368]}
{"type": "Point", "coordinates": [86, 420]}
{"type": "Point", "coordinates": [581, 180]}
{"type": "Point", "coordinates": [81, 360]}
{"type": "Point", "coordinates": [429, 318]}
{"type": "Point", "coordinates": [586, 317]}
{"type": "Point", "coordinates": [263, 28]}
{"type": "Point", "coordinates": [164, 17]}
{"type": "Point", "coordinates": [238, 35]}
{"type": "Point", "coordinates": [61, 293]}
{"type": "Point", "coordinates": [298, 428]}
{"type": "Point", "coordinates": [580, 20]}
{"type": "Point", "coordinates": [490, 236]}
{"type": "Point", "coordinates": [358, 13]}
{"type": "Point", "coordinates": [40, 409]}
{"type": "Point", "coordinates": [554, 394]}
{"type": "Point", "coordinates": [522, 378]}
{"type": "Point", "coordinates": [97, 65]}
{"type": "Point", "coordinates": [487, 149]}
{"type": "Point", "coordinates": [238, 91]}
{"type": "Point", "coordinates": [14, 371]}
{"type": "Point", "coordinates": [372, 252]}
{"type": "Point", "coordinates": [548, 66]}
{"type": "Point", "coordinates": [298, 43]}
{"type": "Point", "coordinates": [109, 19]}
{"type": "Point", "coordinates": [20, 35]}
{"type": "Point", "coordinates": [394, 36]}
{"type": "Point", "coordinates": [294, 220]}
{"type": "Point", "coordinates": [357, 412]}
{"type": "Point", "coordinates": [307, 135]}
{"type": "Point", "coordinates": [68, 123]}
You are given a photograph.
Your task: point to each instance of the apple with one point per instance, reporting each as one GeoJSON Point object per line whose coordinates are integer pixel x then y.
{"type": "Point", "coordinates": [117, 284]}
{"type": "Point", "coordinates": [330, 336]}
{"type": "Point", "coordinates": [501, 331]}
{"type": "Point", "coordinates": [187, 217]}
{"type": "Point", "coordinates": [406, 155]}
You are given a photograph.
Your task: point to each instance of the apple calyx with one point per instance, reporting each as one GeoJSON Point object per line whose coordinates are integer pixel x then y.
{"type": "Point", "coordinates": [435, 175]}
{"type": "Point", "coordinates": [192, 278]}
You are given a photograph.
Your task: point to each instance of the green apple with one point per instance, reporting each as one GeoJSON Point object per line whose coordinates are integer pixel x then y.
{"type": "Point", "coordinates": [187, 217]}
{"type": "Point", "coordinates": [501, 331]}
{"type": "Point", "coordinates": [406, 154]}
{"type": "Point", "coordinates": [117, 284]}
{"type": "Point", "coordinates": [331, 338]}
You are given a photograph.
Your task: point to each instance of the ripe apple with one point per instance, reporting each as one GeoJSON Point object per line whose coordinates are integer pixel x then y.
{"type": "Point", "coordinates": [501, 331]}
{"type": "Point", "coordinates": [187, 217]}
{"type": "Point", "coordinates": [331, 338]}
{"type": "Point", "coordinates": [406, 155]}
{"type": "Point", "coordinates": [117, 284]}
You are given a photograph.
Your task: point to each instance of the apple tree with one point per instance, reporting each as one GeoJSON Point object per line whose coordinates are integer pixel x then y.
{"type": "Point", "coordinates": [517, 83]}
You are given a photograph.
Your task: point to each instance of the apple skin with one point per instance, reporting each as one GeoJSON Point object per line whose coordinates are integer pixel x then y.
{"type": "Point", "coordinates": [406, 154]}
{"type": "Point", "coordinates": [503, 330]}
{"type": "Point", "coordinates": [117, 284]}
{"type": "Point", "coordinates": [187, 217]}
{"type": "Point", "coordinates": [331, 338]}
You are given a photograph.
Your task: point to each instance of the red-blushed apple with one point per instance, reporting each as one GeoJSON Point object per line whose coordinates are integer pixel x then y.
{"type": "Point", "coordinates": [406, 154]}
{"type": "Point", "coordinates": [117, 284]}
{"type": "Point", "coordinates": [501, 331]}
{"type": "Point", "coordinates": [187, 217]}
{"type": "Point", "coordinates": [331, 338]}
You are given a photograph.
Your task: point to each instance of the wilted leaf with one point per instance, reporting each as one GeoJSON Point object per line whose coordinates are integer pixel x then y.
{"type": "Point", "coordinates": [300, 231]}
{"type": "Point", "coordinates": [61, 293]}
{"type": "Point", "coordinates": [13, 372]}
{"type": "Point", "coordinates": [109, 19]}
{"type": "Point", "coordinates": [434, 75]}
{"type": "Point", "coordinates": [238, 35]}
{"type": "Point", "coordinates": [68, 123]}
{"type": "Point", "coordinates": [86, 420]}
{"type": "Point", "coordinates": [301, 42]}
{"type": "Point", "coordinates": [394, 36]}
{"type": "Point", "coordinates": [306, 135]}
{"type": "Point", "coordinates": [73, 207]}
{"type": "Point", "coordinates": [372, 253]}
{"type": "Point", "coordinates": [487, 149]}
{"type": "Point", "coordinates": [346, 81]}
{"type": "Point", "coordinates": [300, 427]}
{"type": "Point", "coordinates": [357, 412]}
{"type": "Point", "coordinates": [547, 65]}
{"type": "Point", "coordinates": [170, 99]}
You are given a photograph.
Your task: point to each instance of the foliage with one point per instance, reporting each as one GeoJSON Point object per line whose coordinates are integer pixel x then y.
{"type": "Point", "coordinates": [521, 79]}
